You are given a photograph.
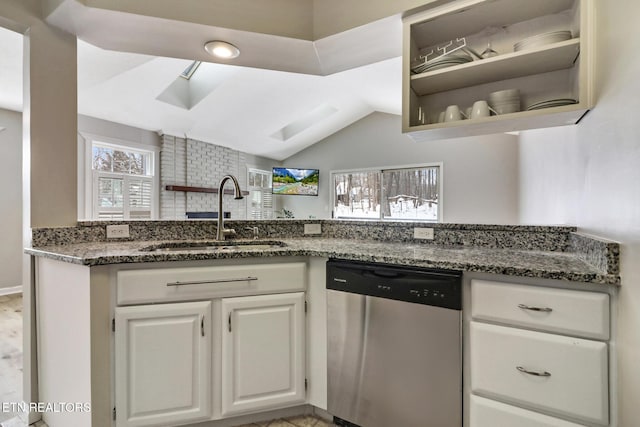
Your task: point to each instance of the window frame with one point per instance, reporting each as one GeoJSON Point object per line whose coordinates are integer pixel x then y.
{"type": "Point", "coordinates": [90, 176]}
{"type": "Point", "coordinates": [439, 165]}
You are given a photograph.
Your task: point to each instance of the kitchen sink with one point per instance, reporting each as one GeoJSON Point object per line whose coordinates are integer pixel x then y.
{"type": "Point", "coordinates": [215, 246]}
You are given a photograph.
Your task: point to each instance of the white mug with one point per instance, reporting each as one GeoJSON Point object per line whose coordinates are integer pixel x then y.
{"type": "Point", "coordinates": [452, 113]}
{"type": "Point", "coordinates": [481, 109]}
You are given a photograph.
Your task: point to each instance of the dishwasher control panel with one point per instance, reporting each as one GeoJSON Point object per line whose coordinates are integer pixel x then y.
{"type": "Point", "coordinates": [440, 288]}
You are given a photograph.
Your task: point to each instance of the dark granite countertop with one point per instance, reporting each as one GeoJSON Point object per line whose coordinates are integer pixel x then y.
{"type": "Point", "coordinates": [516, 262]}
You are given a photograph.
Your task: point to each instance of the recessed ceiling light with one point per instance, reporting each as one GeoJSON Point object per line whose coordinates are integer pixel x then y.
{"type": "Point", "coordinates": [221, 49]}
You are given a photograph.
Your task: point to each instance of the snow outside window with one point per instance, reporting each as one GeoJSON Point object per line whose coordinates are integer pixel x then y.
{"type": "Point", "coordinates": [123, 182]}
{"type": "Point", "coordinates": [260, 200]}
{"type": "Point", "coordinates": [407, 193]}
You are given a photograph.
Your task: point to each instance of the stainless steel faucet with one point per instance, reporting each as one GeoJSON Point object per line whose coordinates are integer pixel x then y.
{"type": "Point", "coordinates": [222, 232]}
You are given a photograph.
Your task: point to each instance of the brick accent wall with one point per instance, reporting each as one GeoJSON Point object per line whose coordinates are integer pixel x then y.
{"type": "Point", "coordinates": [198, 164]}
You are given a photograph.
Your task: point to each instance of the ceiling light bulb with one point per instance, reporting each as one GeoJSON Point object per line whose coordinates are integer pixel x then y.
{"type": "Point", "coordinates": [221, 49]}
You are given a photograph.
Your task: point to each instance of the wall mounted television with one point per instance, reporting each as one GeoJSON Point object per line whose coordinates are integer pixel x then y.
{"type": "Point", "coordinates": [295, 181]}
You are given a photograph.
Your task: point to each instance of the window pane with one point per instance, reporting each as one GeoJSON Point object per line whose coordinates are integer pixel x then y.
{"type": "Point", "coordinates": [357, 195]}
{"type": "Point", "coordinates": [108, 159]}
{"type": "Point", "coordinates": [110, 194]}
{"type": "Point", "coordinates": [102, 159]}
{"type": "Point", "coordinates": [411, 193]}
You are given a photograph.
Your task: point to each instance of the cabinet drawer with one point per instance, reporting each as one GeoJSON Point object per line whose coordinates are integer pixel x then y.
{"type": "Point", "coordinates": [489, 413]}
{"type": "Point", "coordinates": [584, 314]}
{"type": "Point", "coordinates": [577, 382]}
{"type": "Point", "coordinates": [181, 284]}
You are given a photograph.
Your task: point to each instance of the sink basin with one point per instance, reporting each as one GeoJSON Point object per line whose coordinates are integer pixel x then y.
{"type": "Point", "coordinates": [214, 246]}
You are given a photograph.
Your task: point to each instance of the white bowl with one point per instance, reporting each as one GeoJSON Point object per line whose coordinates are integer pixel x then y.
{"type": "Point", "coordinates": [505, 94]}
{"type": "Point", "coordinates": [505, 108]}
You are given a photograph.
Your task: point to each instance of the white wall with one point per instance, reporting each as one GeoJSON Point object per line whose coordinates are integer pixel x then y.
{"type": "Point", "coordinates": [48, 133]}
{"type": "Point", "coordinates": [480, 173]}
{"type": "Point", "coordinates": [10, 199]}
{"type": "Point", "coordinates": [590, 175]}
{"type": "Point", "coordinates": [558, 177]}
{"type": "Point", "coordinates": [50, 117]}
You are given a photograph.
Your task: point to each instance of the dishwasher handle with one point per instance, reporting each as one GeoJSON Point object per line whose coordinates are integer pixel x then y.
{"type": "Point", "coordinates": [438, 288]}
{"type": "Point", "coordinates": [386, 274]}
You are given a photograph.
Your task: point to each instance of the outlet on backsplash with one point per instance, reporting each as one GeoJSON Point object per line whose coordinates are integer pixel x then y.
{"type": "Point", "coordinates": [312, 229]}
{"type": "Point", "coordinates": [423, 233]}
{"type": "Point", "coordinates": [117, 231]}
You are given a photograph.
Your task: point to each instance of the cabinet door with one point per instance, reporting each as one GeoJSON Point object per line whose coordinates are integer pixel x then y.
{"type": "Point", "coordinates": [563, 311]}
{"type": "Point", "coordinates": [559, 375]}
{"type": "Point", "coordinates": [263, 352]}
{"type": "Point", "coordinates": [489, 413]}
{"type": "Point", "coordinates": [163, 364]}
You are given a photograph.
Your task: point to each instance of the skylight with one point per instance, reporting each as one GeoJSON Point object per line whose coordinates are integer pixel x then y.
{"type": "Point", "coordinates": [188, 72]}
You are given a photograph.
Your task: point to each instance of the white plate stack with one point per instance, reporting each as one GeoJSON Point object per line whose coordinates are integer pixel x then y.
{"type": "Point", "coordinates": [541, 40]}
{"type": "Point", "coordinates": [505, 101]}
{"type": "Point", "coordinates": [560, 102]}
{"type": "Point", "coordinates": [454, 58]}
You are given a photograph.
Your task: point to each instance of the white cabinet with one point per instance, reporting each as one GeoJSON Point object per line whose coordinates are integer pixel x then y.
{"type": "Point", "coordinates": [553, 373]}
{"type": "Point", "coordinates": [163, 364]}
{"type": "Point", "coordinates": [205, 342]}
{"type": "Point", "coordinates": [533, 361]}
{"type": "Point", "coordinates": [558, 70]}
{"type": "Point", "coordinates": [263, 344]}
{"type": "Point", "coordinates": [142, 286]}
{"type": "Point", "coordinates": [563, 311]}
{"type": "Point", "coordinates": [490, 413]}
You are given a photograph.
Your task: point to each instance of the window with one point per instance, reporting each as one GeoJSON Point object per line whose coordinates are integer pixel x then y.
{"type": "Point", "coordinates": [411, 193]}
{"type": "Point", "coordinates": [260, 200]}
{"type": "Point", "coordinates": [122, 182]}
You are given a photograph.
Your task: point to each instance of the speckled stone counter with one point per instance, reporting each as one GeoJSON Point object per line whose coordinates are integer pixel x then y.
{"type": "Point", "coordinates": [510, 261]}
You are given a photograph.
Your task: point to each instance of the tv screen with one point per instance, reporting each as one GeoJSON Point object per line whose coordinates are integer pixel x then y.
{"type": "Point", "coordinates": [293, 181]}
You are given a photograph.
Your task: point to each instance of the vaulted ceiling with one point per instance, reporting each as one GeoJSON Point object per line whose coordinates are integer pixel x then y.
{"type": "Point", "coordinates": [284, 93]}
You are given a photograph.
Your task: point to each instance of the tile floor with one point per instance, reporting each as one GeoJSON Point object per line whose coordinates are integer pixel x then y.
{"type": "Point", "coordinates": [10, 352]}
{"type": "Point", "coordinates": [299, 421]}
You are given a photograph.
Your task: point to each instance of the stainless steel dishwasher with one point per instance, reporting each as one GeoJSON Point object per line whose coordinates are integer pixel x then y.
{"type": "Point", "coordinates": [394, 345]}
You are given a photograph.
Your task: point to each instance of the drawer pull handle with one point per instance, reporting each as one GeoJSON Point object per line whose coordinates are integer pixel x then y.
{"type": "Point", "coordinates": [528, 307]}
{"type": "Point", "coordinates": [208, 282]}
{"type": "Point", "coordinates": [534, 373]}
{"type": "Point", "coordinates": [202, 325]}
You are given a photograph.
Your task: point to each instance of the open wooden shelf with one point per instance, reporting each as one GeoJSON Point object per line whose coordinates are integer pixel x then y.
{"type": "Point", "coordinates": [190, 189]}
{"type": "Point", "coordinates": [557, 70]}
{"type": "Point", "coordinates": [552, 57]}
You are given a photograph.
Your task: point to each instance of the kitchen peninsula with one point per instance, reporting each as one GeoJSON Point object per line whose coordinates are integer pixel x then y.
{"type": "Point", "coordinates": [117, 295]}
{"type": "Point", "coordinates": [554, 252]}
